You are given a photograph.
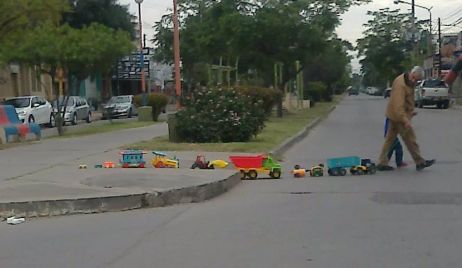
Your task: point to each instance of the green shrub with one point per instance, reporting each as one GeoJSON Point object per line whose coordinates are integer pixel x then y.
{"type": "Point", "coordinates": [219, 115]}
{"type": "Point", "coordinates": [317, 91]}
{"type": "Point", "coordinates": [155, 100]}
{"type": "Point", "coordinates": [269, 96]}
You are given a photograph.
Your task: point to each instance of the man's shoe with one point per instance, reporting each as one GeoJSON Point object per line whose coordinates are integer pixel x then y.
{"type": "Point", "coordinates": [425, 164]}
{"type": "Point", "coordinates": [384, 168]}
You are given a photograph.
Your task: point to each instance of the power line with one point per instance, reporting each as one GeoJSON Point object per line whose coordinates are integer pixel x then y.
{"type": "Point", "coordinates": [454, 13]}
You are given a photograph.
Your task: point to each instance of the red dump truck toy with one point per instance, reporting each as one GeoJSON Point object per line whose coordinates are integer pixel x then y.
{"type": "Point", "coordinates": [250, 166]}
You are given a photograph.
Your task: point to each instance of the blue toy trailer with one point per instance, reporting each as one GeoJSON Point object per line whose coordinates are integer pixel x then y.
{"type": "Point", "coordinates": [338, 166]}
{"type": "Point", "coordinates": [132, 159]}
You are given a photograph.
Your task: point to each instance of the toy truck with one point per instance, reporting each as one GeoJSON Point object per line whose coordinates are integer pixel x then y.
{"type": "Point", "coordinates": [356, 166]}
{"type": "Point", "coordinates": [299, 172]}
{"type": "Point", "coordinates": [250, 166]}
{"type": "Point", "coordinates": [161, 160]}
{"type": "Point", "coordinates": [314, 171]}
{"type": "Point", "coordinates": [366, 167]}
{"type": "Point", "coordinates": [317, 171]}
{"type": "Point", "coordinates": [132, 159]}
{"type": "Point", "coordinates": [202, 163]}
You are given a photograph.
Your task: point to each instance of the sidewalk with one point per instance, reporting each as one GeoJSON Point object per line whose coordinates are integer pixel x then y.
{"type": "Point", "coordinates": [43, 179]}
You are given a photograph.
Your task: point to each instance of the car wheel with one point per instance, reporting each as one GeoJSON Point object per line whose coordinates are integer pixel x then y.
{"type": "Point", "coordinates": [74, 120]}
{"type": "Point", "coordinates": [31, 119]}
{"type": "Point", "coordinates": [439, 105]}
{"type": "Point", "coordinates": [129, 114]}
{"type": "Point", "coordinates": [446, 105]}
{"type": "Point", "coordinates": [420, 105]}
{"type": "Point", "coordinates": [52, 122]}
{"type": "Point", "coordinates": [88, 118]}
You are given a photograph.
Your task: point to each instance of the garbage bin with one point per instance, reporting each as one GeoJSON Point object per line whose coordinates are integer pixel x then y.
{"type": "Point", "coordinates": [145, 113]}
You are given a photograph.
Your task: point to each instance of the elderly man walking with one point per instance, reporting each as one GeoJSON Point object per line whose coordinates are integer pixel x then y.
{"type": "Point", "coordinates": [400, 111]}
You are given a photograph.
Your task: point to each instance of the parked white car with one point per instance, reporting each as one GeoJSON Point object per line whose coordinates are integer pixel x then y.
{"type": "Point", "coordinates": [372, 91]}
{"type": "Point", "coordinates": [33, 109]}
{"type": "Point", "coordinates": [432, 92]}
{"type": "Point", "coordinates": [76, 108]}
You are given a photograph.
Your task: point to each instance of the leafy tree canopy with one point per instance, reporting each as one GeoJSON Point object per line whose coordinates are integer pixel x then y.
{"type": "Point", "coordinates": [105, 12]}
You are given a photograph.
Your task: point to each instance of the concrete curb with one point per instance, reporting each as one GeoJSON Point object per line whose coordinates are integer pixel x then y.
{"type": "Point", "coordinates": [193, 194]}
{"type": "Point", "coordinates": [283, 147]}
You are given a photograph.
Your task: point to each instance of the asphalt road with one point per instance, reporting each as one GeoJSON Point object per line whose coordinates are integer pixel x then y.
{"type": "Point", "coordinates": [402, 218]}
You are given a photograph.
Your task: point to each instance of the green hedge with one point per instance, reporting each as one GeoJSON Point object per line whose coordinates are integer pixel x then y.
{"type": "Point", "coordinates": [219, 115]}
{"type": "Point", "coordinates": [269, 96]}
{"type": "Point", "coordinates": [156, 101]}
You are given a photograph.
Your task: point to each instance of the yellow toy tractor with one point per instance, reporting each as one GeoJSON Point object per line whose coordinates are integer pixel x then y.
{"type": "Point", "coordinates": [161, 160]}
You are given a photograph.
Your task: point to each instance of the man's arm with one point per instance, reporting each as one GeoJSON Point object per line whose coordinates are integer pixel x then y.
{"type": "Point", "coordinates": [397, 99]}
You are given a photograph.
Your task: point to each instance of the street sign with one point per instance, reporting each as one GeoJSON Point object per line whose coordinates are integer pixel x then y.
{"type": "Point", "coordinates": [129, 67]}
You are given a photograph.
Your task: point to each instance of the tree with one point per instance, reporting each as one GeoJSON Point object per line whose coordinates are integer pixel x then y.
{"type": "Point", "coordinates": [106, 12]}
{"type": "Point", "coordinates": [258, 33]}
{"type": "Point", "coordinates": [331, 66]}
{"type": "Point", "coordinates": [385, 50]}
{"type": "Point", "coordinates": [20, 16]}
{"type": "Point", "coordinates": [82, 51]}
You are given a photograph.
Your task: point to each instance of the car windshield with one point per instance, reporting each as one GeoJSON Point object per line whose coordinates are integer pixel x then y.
{"type": "Point", "coordinates": [434, 83]}
{"type": "Point", "coordinates": [19, 102]}
{"type": "Point", "coordinates": [119, 99]}
{"type": "Point", "coordinates": [70, 102]}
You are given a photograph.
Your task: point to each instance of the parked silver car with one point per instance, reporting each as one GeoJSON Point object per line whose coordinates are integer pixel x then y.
{"type": "Point", "coordinates": [76, 108]}
{"type": "Point", "coordinates": [119, 106]}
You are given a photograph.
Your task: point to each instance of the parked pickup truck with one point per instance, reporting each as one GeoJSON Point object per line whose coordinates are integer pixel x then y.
{"type": "Point", "coordinates": [432, 92]}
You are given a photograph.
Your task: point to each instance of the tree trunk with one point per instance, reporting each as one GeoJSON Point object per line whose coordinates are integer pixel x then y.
{"type": "Point", "coordinates": [279, 108]}
{"type": "Point", "coordinates": [59, 117]}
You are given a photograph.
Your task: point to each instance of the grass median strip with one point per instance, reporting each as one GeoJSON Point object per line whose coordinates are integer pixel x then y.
{"type": "Point", "coordinates": [274, 133]}
{"type": "Point", "coordinates": [108, 127]}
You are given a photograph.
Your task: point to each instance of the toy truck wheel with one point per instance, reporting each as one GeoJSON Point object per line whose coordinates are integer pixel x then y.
{"type": "Point", "coordinates": [297, 167]}
{"type": "Point", "coordinates": [243, 174]}
{"type": "Point", "coordinates": [343, 172]}
{"type": "Point", "coordinates": [276, 174]}
{"type": "Point", "coordinates": [194, 166]}
{"type": "Point", "coordinates": [360, 172]}
{"type": "Point", "coordinates": [372, 169]}
{"type": "Point", "coordinates": [334, 172]}
{"type": "Point", "coordinates": [253, 174]}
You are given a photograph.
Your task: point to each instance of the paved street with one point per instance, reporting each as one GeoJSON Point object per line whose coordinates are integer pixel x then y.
{"type": "Point", "coordinates": [402, 218]}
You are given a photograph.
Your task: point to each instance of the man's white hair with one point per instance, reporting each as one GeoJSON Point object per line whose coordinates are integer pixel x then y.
{"type": "Point", "coordinates": [419, 71]}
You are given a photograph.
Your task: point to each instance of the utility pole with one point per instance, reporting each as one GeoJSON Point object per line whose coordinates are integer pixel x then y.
{"type": "Point", "coordinates": [176, 49]}
{"type": "Point", "coordinates": [413, 11]}
{"type": "Point", "coordinates": [439, 47]}
{"type": "Point", "coordinates": [414, 47]}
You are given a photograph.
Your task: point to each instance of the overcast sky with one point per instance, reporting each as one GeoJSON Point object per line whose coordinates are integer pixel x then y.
{"type": "Point", "coordinates": [352, 22]}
